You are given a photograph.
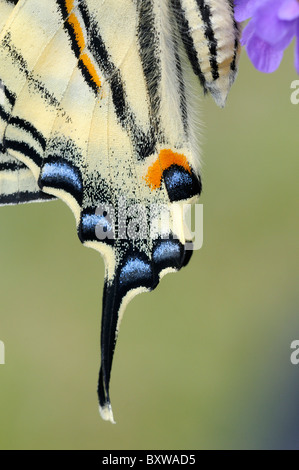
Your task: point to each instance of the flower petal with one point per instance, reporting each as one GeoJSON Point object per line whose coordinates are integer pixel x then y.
{"type": "Point", "coordinates": [297, 50]}
{"type": "Point", "coordinates": [244, 9]}
{"type": "Point", "coordinates": [286, 40]}
{"type": "Point", "coordinates": [248, 31]}
{"type": "Point", "coordinates": [268, 26]}
{"type": "Point", "coordinates": [263, 56]}
{"type": "Point", "coordinates": [289, 10]}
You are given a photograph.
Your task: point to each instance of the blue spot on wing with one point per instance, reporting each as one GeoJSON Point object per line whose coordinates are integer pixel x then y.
{"type": "Point", "coordinates": [168, 254]}
{"type": "Point", "coordinates": [136, 273]}
{"type": "Point", "coordinates": [62, 171]}
{"type": "Point", "coordinates": [180, 184]}
{"type": "Point", "coordinates": [61, 174]}
{"type": "Point", "coordinates": [90, 221]}
{"type": "Point", "coordinates": [165, 250]}
{"type": "Point", "coordinates": [95, 228]}
{"type": "Point", "coordinates": [178, 179]}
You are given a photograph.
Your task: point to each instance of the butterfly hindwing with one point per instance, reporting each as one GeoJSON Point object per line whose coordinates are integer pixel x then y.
{"type": "Point", "coordinates": [101, 110]}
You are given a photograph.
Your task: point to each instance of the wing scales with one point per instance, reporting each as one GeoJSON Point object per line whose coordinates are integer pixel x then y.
{"type": "Point", "coordinates": [100, 114]}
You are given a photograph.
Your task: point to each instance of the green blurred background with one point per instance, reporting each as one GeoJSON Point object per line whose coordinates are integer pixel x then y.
{"type": "Point", "coordinates": [204, 361]}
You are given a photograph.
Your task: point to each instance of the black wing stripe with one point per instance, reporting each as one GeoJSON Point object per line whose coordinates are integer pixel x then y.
{"type": "Point", "coordinates": [23, 197]}
{"type": "Point", "coordinates": [12, 166]}
{"type": "Point", "coordinates": [231, 6]}
{"type": "Point", "coordinates": [151, 64]}
{"type": "Point", "coordinates": [142, 141]}
{"type": "Point", "coordinates": [182, 88]}
{"type": "Point", "coordinates": [205, 12]}
{"type": "Point", "coordinates": [184, 29]}
{"type": "Point", "coordinates": [30, 129]}
{"type": "Point", "coordinates": [75, 46]}
{"type": "Point", "coordinates": [25, 149]}
{"type": "Point", "coordinates": [11, 97]}
{"type": "Point", "coordinates": [3, 114]}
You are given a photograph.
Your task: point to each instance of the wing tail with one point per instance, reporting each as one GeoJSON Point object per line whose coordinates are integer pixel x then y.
{"type": "Point", "coordinates": [133, 275]}
{"type": "Point", "coordinates": [108, 342]}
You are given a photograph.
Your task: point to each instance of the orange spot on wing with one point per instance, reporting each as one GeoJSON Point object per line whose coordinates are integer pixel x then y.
{"type": "Point", "coordinates": [74, 22]}
{"type": "Point", "coordinates": [69, 5]}
{"type": "Point", "coordinates": [91, 69]}
{"type": "Point", "coordinates": [76, 26]}
{"type": "Point", "coordinates": [166, 158]}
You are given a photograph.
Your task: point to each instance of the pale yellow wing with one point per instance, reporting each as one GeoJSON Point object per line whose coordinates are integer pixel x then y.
{"type": "Point", "coordinates": [101, 109]}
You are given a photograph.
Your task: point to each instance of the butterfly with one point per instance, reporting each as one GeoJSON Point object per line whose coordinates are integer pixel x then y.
{"type": "Point", "coordinates": [99, 107]}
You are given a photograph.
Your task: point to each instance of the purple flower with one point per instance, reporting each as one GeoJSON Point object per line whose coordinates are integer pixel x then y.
{"type": "Point", "coordinates": [273, 25]}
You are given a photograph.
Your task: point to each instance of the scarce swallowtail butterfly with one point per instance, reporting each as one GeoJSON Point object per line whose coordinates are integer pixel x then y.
{"type": "Point", "coordinates": [99, 107]}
